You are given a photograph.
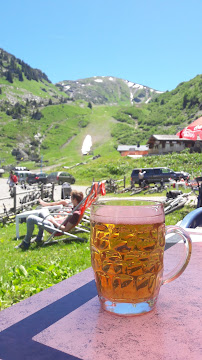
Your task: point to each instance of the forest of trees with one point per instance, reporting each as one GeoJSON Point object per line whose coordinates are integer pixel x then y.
{"type": "Point", "coordinates": [11, 67]}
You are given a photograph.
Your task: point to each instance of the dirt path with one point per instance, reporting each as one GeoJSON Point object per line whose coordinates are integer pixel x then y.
{"type": "Point", "coordinates": [46, 168]}
{"type": "Point", "coordinates": [67, 142]}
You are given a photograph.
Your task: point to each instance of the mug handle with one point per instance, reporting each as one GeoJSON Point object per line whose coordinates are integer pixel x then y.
{"type": "Point", "coordinates": [181, 266]}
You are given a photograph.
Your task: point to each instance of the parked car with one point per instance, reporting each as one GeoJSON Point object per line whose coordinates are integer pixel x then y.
{"type": "Point", "coordinates": [22, 175]}
{"type": "Point", "coordinates": [40, 178]}
{"type": "Point", "coordinates": [30, 179]}
{"type": "Point", "coordinates": [60, 177]}
{"type": "Point", "coordinates": [156, 175]}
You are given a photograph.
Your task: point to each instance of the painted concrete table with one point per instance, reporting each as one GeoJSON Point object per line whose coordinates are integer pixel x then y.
{"type": "Point", "coordinates": [66, 322]}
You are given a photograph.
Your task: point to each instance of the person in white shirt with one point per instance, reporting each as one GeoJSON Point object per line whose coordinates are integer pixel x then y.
{"type": "Point", "coordinates": [141, 176]}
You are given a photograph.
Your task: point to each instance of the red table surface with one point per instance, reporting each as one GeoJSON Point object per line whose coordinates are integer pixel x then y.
{"type": "Point", "coordinates": [51, 325]}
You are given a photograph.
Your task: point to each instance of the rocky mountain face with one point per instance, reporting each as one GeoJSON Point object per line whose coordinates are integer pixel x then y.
{"type": "Point", "coordinates": [107, 90]}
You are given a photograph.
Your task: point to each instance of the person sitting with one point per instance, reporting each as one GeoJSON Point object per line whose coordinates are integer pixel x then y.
{"type": "Point", "coordinates": [50, 221]}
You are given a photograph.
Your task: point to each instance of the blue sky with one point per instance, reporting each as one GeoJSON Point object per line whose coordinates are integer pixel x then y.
{"type": "Point", "coordinates": [155, 43]}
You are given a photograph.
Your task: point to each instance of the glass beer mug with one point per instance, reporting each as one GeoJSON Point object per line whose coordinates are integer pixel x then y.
{"type": "Point", "coordinates": [127, 253]}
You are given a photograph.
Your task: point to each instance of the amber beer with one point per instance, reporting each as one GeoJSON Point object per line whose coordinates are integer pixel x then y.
{"type": "Point", "coordinates": [127, 246]}
{"type": "Point", "coordinates": [128, 260]}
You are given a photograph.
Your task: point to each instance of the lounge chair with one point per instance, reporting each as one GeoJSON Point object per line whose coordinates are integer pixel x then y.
{"type": "Point", "coordinates": [96, 189]}
{"type": "Point", "coordinates": [21, 217]}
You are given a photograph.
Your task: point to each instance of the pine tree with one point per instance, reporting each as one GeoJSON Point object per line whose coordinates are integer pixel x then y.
{"type": "Point", "coordinates": [90, 105]}
{"type": "Point", "coordinates": [20, 76]}
{"type": "Point", "coordinates": [9, 77]}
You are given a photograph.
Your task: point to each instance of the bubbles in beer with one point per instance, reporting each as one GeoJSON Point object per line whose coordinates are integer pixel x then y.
{"type": "Point", "coordinates": [128, 260]}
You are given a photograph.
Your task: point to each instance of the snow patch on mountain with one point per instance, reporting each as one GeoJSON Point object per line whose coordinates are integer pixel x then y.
{"type": "Point", "coordinates": [98, 80]}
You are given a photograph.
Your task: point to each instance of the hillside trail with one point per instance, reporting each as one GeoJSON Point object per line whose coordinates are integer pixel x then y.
{"type": "Point", "coordinates": [47, 168]}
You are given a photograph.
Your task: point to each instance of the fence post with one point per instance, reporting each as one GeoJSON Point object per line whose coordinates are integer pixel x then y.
{"type": "Point", "coordinates": [42, 191]}
{"type": "Point", "coordinates": [52, 193]}
{"type": "Point", "coordinates": [124, 181]}
{"type": "Point", "coordinates": [14, 198]}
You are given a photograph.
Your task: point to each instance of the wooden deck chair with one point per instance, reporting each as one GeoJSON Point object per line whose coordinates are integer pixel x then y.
{"type": "Point", "coordinates": [98, 188]}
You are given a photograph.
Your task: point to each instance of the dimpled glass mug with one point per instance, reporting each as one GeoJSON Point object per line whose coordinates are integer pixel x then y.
{"type": "Point", "coordinates": [127, 250]}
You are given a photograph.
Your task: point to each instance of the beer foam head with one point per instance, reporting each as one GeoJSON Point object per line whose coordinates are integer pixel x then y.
{"type": "Point", "coordinates": [127, 212]}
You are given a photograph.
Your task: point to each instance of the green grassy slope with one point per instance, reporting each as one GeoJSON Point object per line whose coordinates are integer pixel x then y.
{"type": "Point", "coordinates": [167, 114]}
{"type": "Point", "coordinates": [29, 89]}
{"type": "Point", "coordinates": [65, 127]}
{"type": "Point", "coordinates": [62, 131]}
{"type": "Point", "coordinates": [116, 167]}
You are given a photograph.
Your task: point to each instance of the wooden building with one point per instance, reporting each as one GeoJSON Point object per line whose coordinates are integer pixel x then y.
{"type": "Point", "coordinates": [164, 144]}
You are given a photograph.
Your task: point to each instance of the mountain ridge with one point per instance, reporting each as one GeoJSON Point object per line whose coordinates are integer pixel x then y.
{"type": "Point", "coordinates": [107, 90]}
{"type": "Point", "coordinates": [99, 90]}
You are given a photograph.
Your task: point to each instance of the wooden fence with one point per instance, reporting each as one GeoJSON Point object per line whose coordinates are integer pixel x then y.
{"type": "Point", "coordinates": [23, 201]}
